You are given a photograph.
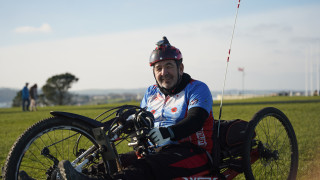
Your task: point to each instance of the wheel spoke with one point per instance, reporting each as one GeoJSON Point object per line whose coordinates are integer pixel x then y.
{"type": "Point", "coordinates": [278, 153]}
{"type": "Point", "coordinates": [59, 140]}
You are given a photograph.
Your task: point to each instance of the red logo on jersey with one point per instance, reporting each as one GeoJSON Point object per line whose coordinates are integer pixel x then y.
{"type": "Point", "coordinates": [174, 110]}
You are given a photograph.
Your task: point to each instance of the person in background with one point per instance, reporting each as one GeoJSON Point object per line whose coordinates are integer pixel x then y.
{"type": "Point", "coordinates": [25, 98]}
{"type": "Point", "coordinates": [33, 97]}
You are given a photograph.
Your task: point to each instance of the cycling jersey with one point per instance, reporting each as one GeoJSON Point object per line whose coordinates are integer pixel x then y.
{"type": "Point", "coordinates": [169, 110]}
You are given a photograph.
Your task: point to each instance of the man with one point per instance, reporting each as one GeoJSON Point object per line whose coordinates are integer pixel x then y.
{"type": "Point", "coordinates": [25, 98]}
{"type": "Point", "coordinates": [182, 108]}
{"type": "Point", "coordinates": [33, 96]}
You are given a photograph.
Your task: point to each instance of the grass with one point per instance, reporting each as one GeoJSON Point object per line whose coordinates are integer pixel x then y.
{"type": "Point", "coordinates": [304, 116]}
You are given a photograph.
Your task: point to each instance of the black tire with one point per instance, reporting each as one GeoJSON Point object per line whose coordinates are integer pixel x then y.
{"type": "Point", "coordinates": [59, 135]}
{"type": "Point", "coordinates": [271, 134]}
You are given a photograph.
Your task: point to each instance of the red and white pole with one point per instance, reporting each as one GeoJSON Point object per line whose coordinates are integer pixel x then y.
{"type": "Point", "coordinates": [225, 75]}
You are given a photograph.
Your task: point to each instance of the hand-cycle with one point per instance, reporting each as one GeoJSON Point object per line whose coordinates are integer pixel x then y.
{"type": "Point", "coordinates": [263, 148]}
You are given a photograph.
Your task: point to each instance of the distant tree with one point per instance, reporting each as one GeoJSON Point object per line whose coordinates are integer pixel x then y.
{"type": "Point", "coordinates": [56, 88]}
{"type": "Point", "coordinates": [17, 100]}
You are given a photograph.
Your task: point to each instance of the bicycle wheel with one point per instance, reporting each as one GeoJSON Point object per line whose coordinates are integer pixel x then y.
{"type": "Point", "coordinates": [271, 149]}
{"type": "Point", "coordinates": [39, 149]}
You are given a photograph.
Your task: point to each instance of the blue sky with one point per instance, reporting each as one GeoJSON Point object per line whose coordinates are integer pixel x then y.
{"type": "Point", "coordinates": [107, 43]}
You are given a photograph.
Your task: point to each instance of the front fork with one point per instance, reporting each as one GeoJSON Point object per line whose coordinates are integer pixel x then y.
{"type": "Point", "coordinates": [106, 148]}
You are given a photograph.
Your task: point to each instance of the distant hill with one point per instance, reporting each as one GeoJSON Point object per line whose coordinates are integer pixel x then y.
{"type": "Point", "coordinates": [7, 94]}
{"type": "Point", "coordinates": [93, 92]}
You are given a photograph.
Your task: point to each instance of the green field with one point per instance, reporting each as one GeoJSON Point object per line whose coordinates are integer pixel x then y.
{"type": "Point", "coordinates": [303, 113]}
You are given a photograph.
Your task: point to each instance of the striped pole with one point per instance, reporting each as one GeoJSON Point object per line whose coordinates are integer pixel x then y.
{"type": "Point", "coordinates": [228, 58]}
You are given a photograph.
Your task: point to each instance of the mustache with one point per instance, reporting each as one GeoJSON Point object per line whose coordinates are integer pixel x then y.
{"type": "Point", "coordinates": [167, 76]}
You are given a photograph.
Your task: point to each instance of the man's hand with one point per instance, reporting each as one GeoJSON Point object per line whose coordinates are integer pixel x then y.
{"type": "Point", "coordinates": [159, 135]}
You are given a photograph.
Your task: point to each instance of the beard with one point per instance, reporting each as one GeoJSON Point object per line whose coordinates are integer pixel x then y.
{"type": "Point", "coordinates": [167, 81]}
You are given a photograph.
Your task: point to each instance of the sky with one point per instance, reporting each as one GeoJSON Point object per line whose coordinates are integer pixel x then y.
{"type": "Point", "coordinates": [107, 44]}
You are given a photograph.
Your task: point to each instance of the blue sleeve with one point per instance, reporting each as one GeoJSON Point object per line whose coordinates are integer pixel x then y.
{"type": "Point", "coordinates": [200, 96]}
{"type": "Point", "coordinates": [144, 101]}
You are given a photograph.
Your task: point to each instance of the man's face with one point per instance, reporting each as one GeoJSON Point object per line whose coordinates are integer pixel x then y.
{"type": "Point", "coordinates": [166, 73]}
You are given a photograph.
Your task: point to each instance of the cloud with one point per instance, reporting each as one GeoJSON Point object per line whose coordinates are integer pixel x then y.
{"type": "Point", "coordinates": [271, 47]}
{"type": "Point", "coordinates": [305, 39]}
{"type": "Point", "coordinates": [44, 28]}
